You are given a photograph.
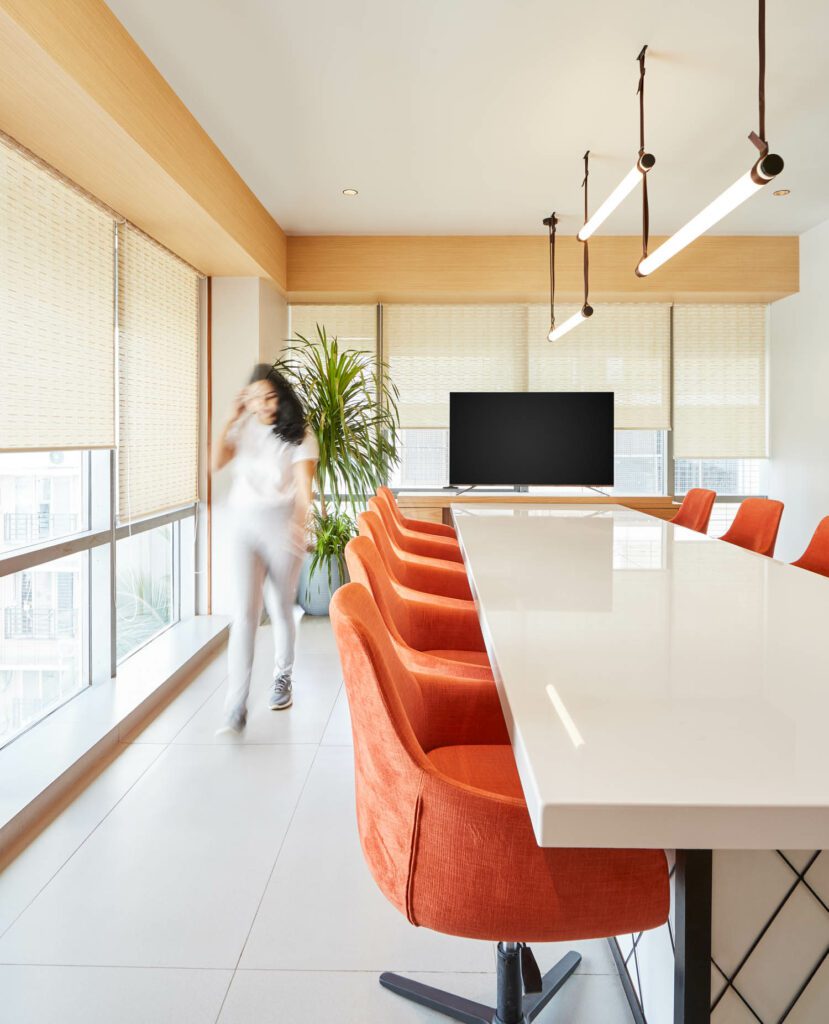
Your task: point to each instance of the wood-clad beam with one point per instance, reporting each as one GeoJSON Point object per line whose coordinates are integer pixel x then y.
{"type": "Point", "coordinates": [77, 90]}
{"type": "Point", "coordinates": [515, 269]}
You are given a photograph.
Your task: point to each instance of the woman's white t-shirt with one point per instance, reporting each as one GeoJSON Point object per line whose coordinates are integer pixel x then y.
{"type": "Point", "coordinates": [264, 464]}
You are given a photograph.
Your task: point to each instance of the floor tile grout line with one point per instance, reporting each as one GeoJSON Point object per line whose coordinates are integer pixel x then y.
{"type": "Point", "coordinates": [88, 835]}
{"type": "Point", "coordinates": [162, 747]}
{"type": "Point", "coordinates": [209, 697]}
{"type": "Point", "coordinates": [270, 876]}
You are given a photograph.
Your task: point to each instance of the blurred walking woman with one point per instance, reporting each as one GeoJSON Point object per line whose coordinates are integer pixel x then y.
{"type": "Point", "coordinates": [274, 456]}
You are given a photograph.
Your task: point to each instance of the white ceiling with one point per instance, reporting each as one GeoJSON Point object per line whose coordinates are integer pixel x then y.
{"type": "Point", "coordinates": [471, 116]}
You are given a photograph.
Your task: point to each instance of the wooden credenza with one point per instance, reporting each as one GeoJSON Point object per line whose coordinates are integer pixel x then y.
{"type": "Point", "coordinates": [435, 505]}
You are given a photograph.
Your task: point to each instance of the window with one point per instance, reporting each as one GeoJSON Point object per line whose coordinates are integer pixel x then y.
{"type": "Point", "coordinates": [41, 497]}
{"type": "Point", "coordinates": [720, 382]}
{"type": "Point", "coordinates": [424, 459]}
{"type": "Point", "coordinates": [42, 646]}
{"type": "Point", "coordinates": [144, 598]}
{"type": "Point", "coordinates": [158, 378]}
{"type": "Point", "coordinates": [62, 264]}
{"type": "Point", "coordinates": [639, 463]}
{"type": "Point", "coordinates": [725, 476]}
{"type": "Point", "coordinates": [718, 373]}
{"type": "Point", "coordinates": [57, 310]}
{"type": "Point", "coordinates": [354, 327]}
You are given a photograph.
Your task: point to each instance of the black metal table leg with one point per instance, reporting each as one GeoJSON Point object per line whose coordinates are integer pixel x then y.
{"type": "Point", "coordinates": [692, 903]}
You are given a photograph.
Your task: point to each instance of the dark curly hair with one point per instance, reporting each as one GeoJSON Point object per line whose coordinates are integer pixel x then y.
{"type": "Point", "coordinates": [290, 417]}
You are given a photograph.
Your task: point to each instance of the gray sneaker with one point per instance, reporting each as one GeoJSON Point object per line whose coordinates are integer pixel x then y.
{"type": "Point", "coordinates": [282, 693]}
{"type": "Point", "coordinates": [234, 723]}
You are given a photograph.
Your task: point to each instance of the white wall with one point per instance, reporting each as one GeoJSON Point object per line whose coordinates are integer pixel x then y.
{"type": "Point", "coordinates": [799, 398]}
{"type": "Point", "coordinates": [249, 325]}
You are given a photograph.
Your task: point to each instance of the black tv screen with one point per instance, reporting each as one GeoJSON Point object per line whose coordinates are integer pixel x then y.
{"type": "Point", "coordinates": [543, 438]}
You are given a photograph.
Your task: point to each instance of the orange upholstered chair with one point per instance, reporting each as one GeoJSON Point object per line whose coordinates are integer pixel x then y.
{"type": "Point", "coordinates": [755, 526]}
{"type": "Point", "coordinates": [695, 510]}
{"type": "Point", "coordinates": [431, 575]}
{"type": "Point", "coordinates": [816, 556]}
{"type": "Point", "coordinates": [430, 633]}
{"type": "Point", "coordinates": [412, 541]}
{"type": "Point", "coordinates": [418, 525]}
{"type": "Point", "coordinates": [446, 833]}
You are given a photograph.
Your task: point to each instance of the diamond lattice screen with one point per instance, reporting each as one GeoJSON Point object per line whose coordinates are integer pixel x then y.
{"type": "Point", "coordinates": [57, 294]}
{"type": "Point", "coordinates": [158, 397]}
{"type": "Point", "coordinates": [432, 350]}
{"type": "Point", "coordinates": [354, 327]}
{"type": "Point", "coordinates": [720, 382]}
{"type": "Point", "coordinates": [624, 348]}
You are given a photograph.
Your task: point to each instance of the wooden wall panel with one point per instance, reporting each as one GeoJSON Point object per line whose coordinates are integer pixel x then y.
{"type": "Point", "coordinates": [78, 91]}
{"type": "Point", "coordinates": [516, 269]}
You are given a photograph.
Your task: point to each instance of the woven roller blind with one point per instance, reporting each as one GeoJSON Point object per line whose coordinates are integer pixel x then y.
{"type": "Point", "coordinates": [432, 350]}
{"type": "Point", "coordinates": [623, 347]}
{"type": "Point", "coordinates": [720, 381]}
{"type": "Point", "coordinates": [158, 346]}
{"type": "Point", "coordinates": [57, 314]}
{"type": "Point", "coordinates": [354, 327]}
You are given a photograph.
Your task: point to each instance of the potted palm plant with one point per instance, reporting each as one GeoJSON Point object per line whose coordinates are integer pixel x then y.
{"type": "Point", "coordinates": [351, 405]}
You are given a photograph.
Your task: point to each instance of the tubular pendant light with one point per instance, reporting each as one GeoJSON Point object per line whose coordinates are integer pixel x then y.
{"type": "Point", "coordinates": [636, 174]}
{"type": "Point", "coordinates": [586, 310]}
{"type": "Point", "coordinates": [764, 170]}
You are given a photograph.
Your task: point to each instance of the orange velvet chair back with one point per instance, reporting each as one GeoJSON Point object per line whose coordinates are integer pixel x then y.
{"type": "Point", "coordinates": [816, 556]}
{"type": "Point", "coordinates": [416, 621]}
{"type": "Point", "coordinates": [369, 524]}
{"type": "Point", "coordinates": [755, 526]}
{"type": "Point", "coordinates": [385, 496]}
{"type": "Point", "coordinates": [411, 541]}
{"type": "Point", "coordinates": [365, 566]}
{"type": "Point", "coordinates": [695, 511]}
{"type": "Point", "coordinates": [451, 856]}
{"type": "Point", "coordinates": [388, 758]}
{"type": "Point", "coordinates": [418, 525]}
{"type": "Point", "coordinates": [429, 575]}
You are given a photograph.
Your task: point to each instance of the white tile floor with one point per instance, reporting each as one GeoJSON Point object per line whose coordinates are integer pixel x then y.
{"type": "Point", "coordinates": [202, 880]}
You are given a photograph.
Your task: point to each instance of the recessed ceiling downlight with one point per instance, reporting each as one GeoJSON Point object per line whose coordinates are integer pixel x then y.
{"type": "Point", "coordinates": [350, 192]}
{"type": "Point", "coordinates": [783, 192]}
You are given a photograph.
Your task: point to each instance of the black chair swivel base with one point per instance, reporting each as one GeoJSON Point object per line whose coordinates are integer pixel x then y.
{"type": "Point", "coordinates": [513, 1007]}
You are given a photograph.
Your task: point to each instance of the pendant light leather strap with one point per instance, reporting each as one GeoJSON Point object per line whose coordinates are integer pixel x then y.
{"type": "Point", "coordinates": [645, 208]}
{"type": "Point", "coordinates": [551, 222]}
{"type": "Point", "coordinates": [586, 244]}
{"type": "Point", "coordinates": [760, 140]}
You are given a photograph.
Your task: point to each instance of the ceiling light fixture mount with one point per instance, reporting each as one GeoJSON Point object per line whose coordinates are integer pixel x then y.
{"type": "Point", "coordinates": [350, 192]}
{"type": "Point", "coordinates": [637, 173]}
{"type": "Point", "coordinates": [586, 310]}
{"type": "Point", "coordinates": [766, 169]}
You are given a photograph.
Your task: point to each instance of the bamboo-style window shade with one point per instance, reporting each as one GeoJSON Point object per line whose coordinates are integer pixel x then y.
{"type": "Point", "coordinates": [57, 311]}
{"type": "Point", "coordinates": [158, 386]}
{"type": "Point", "coordinates": [354, 327]}
{"type": "Point", "coordinates": [432, 350]}
{"type": "Point", "coordinates": [624, 348]}
{"type": "Point", "coordinates": [720, 381]}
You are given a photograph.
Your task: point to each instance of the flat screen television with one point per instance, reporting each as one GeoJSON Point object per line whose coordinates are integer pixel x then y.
{"type": "Point", "coordinates": [541, 438]}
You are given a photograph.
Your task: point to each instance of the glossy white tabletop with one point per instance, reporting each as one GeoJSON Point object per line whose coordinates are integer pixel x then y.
{"type": "Point", "coordinates": [662, 689]}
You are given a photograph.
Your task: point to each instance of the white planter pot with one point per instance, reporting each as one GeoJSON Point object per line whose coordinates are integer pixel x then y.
{"type": "Point", "coordinates": [315, 591]}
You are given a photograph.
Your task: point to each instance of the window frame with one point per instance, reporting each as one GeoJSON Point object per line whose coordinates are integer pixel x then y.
{"type": "Point", "coordinates": [98, 594]}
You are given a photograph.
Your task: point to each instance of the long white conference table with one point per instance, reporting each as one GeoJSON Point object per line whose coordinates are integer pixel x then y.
{"type": "Point", "coordinates": [666, 690]}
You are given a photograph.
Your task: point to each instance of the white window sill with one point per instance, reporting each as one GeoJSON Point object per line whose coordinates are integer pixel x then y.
{"type": "Point", "coordinates": [39, 769]}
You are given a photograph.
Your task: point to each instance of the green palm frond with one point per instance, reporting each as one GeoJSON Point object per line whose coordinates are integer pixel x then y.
{"type": "Point", "coordinates": [351, 406]}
